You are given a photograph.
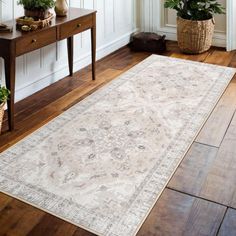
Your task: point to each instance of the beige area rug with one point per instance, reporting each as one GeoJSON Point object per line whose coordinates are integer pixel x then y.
{"type": "Point", "coordinates": [102, 164]}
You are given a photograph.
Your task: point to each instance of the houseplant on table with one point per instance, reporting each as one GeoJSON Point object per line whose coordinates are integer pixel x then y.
{"type": "Point", "coordinates": [4, 95]}
{"type": "Point", "coordinates": [37, 8]}
{"type": "Point", "coordinates": [195, 23]}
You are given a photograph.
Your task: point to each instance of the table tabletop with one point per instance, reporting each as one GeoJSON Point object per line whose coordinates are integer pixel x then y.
{"type": "Point", "coordinates": [73, 13]}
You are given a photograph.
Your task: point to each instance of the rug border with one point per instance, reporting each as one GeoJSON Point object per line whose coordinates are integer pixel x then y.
{"type": "Point", "coordinates": [231, 73]}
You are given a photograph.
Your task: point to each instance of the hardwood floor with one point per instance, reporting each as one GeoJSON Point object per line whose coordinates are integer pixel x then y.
{"type": "Point", "coordinates": [200, 199]}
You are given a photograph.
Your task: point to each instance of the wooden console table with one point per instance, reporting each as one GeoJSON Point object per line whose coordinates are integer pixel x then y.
{"type": "Point", "coordinates": [18, 43]}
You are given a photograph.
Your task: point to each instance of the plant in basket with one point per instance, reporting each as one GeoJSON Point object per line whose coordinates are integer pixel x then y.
{"type": "Point", "coordinates": [4, 95]}
{"type": "Point", "coordinates": [37, 9]}
{"type": "Point", "coordinates": [195, 23]}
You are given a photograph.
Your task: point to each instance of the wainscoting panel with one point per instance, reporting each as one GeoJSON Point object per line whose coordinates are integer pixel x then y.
{"type": "Point", "coordinates": [156, 18]}
{"type": "Point", "coordinates": [116, 21]}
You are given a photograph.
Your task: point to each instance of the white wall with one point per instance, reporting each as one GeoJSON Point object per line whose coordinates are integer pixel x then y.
{"type": "Point", "coordinates": [231, 27]}
{"type": "Point", "coordinates": [116, 20]}
{"type": "Point", "coordinates": [158, 19]}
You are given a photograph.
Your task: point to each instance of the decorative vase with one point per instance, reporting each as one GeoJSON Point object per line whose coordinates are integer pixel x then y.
{"type": "Point", "coordinates": [37, 14]}
{"type": "Point", "coordinates": [1, 114]}
{"type": "Point", "coordinates": [61, 7]}
{"type": "Point", "coordinates": [195, 36]}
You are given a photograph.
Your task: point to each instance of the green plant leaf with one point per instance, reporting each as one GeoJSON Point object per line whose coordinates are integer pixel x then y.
{"type": "Point", "coordinates": [37, 4]}
{"type": "Point", "coordinates": [195, 9]}
{"type": "Point", "coordinates": [4, 94]}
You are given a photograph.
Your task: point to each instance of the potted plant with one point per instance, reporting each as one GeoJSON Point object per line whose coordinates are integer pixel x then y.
{"type": "Point", "coordinates": [4, 95]}
{"type": "Point", "coordinates": [37, 9]}
{"type": "Point", "coordinates": [195, 23]}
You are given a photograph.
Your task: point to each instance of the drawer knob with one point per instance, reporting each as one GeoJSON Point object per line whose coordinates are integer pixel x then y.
{"type": "Point", "coordinates": [34, 40]}
{"type": "Point", "coordinates": [79, 25]}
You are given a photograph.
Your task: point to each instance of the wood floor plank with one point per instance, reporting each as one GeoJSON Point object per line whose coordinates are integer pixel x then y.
{"type": "Point", "coordinates": [179, 55]}
{"type": "Point", "coordinates": [220, 57]}
{"type": "Point", "coordinates": [197, 57]}
{"type": "Point", "coordinates": [82, 232]}
{"type": "Point", "coordinates": [26, 222]}
{"type": "Point", "coordinates": [15, 217]}
{"type": "Point", "coordinates": [4, 201]}
{"type": "Point", "coordinates": [208, 175]}
{"type": "Point", "coordinates": [50, 225]}
{"type": "Point", "coordinates": [233, 60]}
{"type": "Point", "coordinates": [228, 226]}
{"type": "Point", "coordinates": [179, 214]}
{"type": "Point", "coordinates": [216, 126]}
{"type": "Point", "coordinates": [220, 183]}
{"type": "Point", "coordinates": [192, 172]}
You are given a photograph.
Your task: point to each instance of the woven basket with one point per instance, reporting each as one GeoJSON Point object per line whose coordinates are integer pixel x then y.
{"type": "Point", "coordinates": [195, 36]}
{"type": "Point", "coordinates": [1, 115]}
{"type": "Point", "coordinates": [39, 23]}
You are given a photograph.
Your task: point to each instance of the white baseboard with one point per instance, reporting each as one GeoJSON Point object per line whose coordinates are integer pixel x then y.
{"type": "Point", "coordinates": [63, 71]}
{"type": "Point", "coordinates": [219, 39]}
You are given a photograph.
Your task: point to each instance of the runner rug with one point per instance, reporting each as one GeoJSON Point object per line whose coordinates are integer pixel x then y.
{"type": "Point", "coordinates": [102, 164]}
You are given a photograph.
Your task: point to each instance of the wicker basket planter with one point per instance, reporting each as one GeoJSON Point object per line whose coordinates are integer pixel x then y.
{"type": "Point", "coordinates": [38, 24]}
{"type": "Point", "coordinates": [195, 36]}
{"type": "Point", "coordinates": [1, 115]}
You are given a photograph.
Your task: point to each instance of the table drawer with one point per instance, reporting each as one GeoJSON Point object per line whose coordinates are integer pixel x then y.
{"type": "Point", "coordinates": [76, 26]}
{"type": "Point", "coordinates": [35, 41]}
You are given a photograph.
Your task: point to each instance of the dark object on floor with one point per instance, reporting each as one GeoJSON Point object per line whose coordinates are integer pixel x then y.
{"type": "Point", "coordinates": [149, 42]}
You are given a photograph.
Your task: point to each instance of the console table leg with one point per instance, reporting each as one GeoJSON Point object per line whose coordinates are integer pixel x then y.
{"type": "Point", "coordinates": [10, 67]}
{"type": "Point", "coordinates": [70, 47]}
{"type": "Point", "coordinates": [93, 39]}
